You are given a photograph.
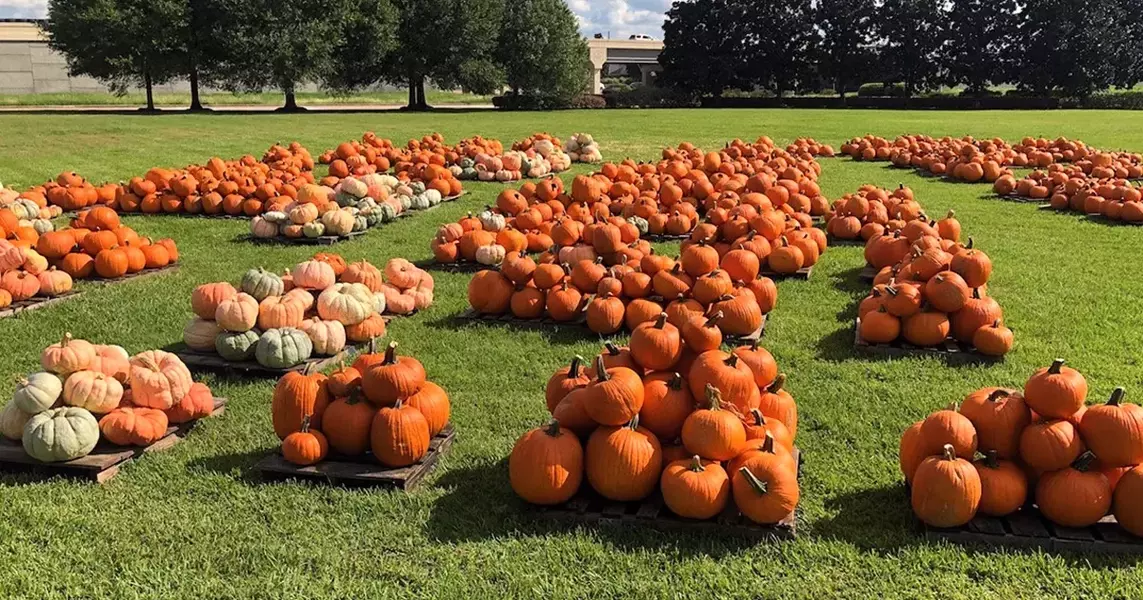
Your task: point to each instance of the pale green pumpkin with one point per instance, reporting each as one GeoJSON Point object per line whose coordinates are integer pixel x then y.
{"type": "Point", "coordinates": [419, 202]}
{"type": "Point", "coordinates": [60, 434]}
{"type": "Point", "coordinates": [388, 213]}
{"type": "Point", "coordinates": [237, 347]}
{"type": "Point", "coordinates": [261, 284]}
{"type": "Point", "coordinates": [43, 226]}
{"type": "Point", "coordinates": [373, 218]}
{"type": "Point", "coordinates": [37, 392]}
{"type": "Point", "coordinates": [283, 348]}
{"type": "Point", "coordinates": [640, 223]}
{"type": "Point", "coordinates": [434, 197]}
{"type": "Point", "coordinates": [12, 421]}
{"type": "Point", "coordinates": [360, 223]}
{"type": "Point", "coordinates": [313, 229]}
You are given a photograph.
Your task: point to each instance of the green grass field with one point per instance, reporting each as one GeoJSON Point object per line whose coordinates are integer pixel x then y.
{"type": "Point", "coordinates": [196, 522]}
{"type": "Point", "coordinates": [174, 100]}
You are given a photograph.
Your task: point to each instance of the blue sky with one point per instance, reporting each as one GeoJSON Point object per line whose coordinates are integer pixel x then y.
{"type": "Point", "coordinates": [619, 17]}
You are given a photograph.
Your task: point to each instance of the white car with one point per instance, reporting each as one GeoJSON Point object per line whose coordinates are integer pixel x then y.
{"type": "Point", "coordinates": [642, 37]}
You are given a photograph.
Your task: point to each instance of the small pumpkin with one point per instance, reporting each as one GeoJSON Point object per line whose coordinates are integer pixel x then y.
{"type": "Point", "coordinates": [546, 465]}
{"type": "Point", "coordinates": [60, 434]}
{"type": "Point", "coordinates": [283, 348]}
{"type": "Point", "coordinates": [305, 446]}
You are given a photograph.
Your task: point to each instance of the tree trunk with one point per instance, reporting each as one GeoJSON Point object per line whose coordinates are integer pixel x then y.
{"type": "Point", "coordinates": [412, 95]}
{"type": "Point", "coordinates": [421, 97]}
{"type": "Point", "coordinates": [150, 90]}
{"type": "Point", "coordinates": [291, 104]}
{"type": "Point", "coordinates": [195, 102]}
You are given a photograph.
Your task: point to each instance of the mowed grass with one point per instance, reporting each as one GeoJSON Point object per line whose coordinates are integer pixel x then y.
{"type": "Point", "coordinates": [196, 520]}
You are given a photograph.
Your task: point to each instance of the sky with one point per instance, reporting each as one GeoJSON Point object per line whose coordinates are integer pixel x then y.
{"type": "Point", "coordinates": [621, 18]}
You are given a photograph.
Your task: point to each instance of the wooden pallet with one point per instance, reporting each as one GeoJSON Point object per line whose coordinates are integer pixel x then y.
{"type": "Point", "coordinates": [138, 275]}
{"type": "Point", "coordinates": [205, 361]}
{"type": "Point", "coordinates": [951, 348]}
{"type": "Point", "coordinates": [868, 273]}
{"type": "Point", "coordinates": [34, 303]}
{"type": "Point", "coordinates": [1016, 199]}
{"type": "Point", "coordinates": [104, 462]}
{"type": "Point", "coordinates": [588, 506]}
{"type": "Point", "coordinates": [1100, 218]}
{"type": "Point", "coordinates": [667, 237]}
{"type": "Point", "coordinates": [325, 240]}
{"type": "Point", "coordinates": [1030, 530]}
{"type": "Point", "coordinates": [463, 266]}
{"type": "Point", "coordinates": [206, 216]}
{"type": "Point", "coordinates": [832, 241]}
{"type": "Point", "coordinates": [803, 273]}
{"type": "Point", "coordinates": [359, 471]}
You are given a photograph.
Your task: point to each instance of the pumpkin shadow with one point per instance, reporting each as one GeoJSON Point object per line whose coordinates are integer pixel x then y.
{"type": "Point", "coordinates": [876, 519]}
{"type": "Point", "coordinates": [238, 466]}
{"type": "Point", "coordinates": [462, 515]}
{"type": "Point", "coordinates": [555, 334]}
{"type": "Point", "coordinates": [850, 281]}
{"type": "Point", "coordinates": [838, 346]}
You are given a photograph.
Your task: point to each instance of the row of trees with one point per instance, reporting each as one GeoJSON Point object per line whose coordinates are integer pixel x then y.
{"type": "Point", "coordinates": [530, 46]}
{"type": "Point", "coordinates": [1072, 47]}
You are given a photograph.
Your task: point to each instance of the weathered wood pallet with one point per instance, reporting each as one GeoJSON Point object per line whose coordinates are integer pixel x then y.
{"type": "Point", "coordinates": [104, 462]}
{"type": "Point", "coordinates": [1100, 218]}
{"type": "Point", "coordinates": [836, 241]}
{"type": "Point", "coordinates": [666, 237]}
{"type": "Point", "coordinates": [1029, 529]}
{"type": "Point", "coordinates": [204, 361]}
{"type": "Point", "coordinates": [206, 216]}
{"type": "Point", "coordinates": [359, 471]}
{"type": "Point", "coordinates": [589, 507]}
{"type": "Point", "coordinates": [137, 275]}
{"type": "Point", "coordinates": [325, 240]}
{"type": "Point", "coordinates": [1015, 198]}
{"type": "Point", "coordinates": [581, 323]}
{"type": "Point", "coordinates": [464, 266]}
{"type": "Point", "coordinates": [951, 348]}
{"type": "Point", "coordinates": [34, 303]}
{"type": "Point", "coordinates": [1050, 207]}
{"type": "Point", "coordinates": [868, 273]}
{"type": "Point", "coordinates": [803, 273]}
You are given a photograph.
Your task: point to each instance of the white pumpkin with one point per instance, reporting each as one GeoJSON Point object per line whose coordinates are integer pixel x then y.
{"type": "Point", "coordinates": [492, 221]}
{"type": "Point", "coordinates": [12, 421]}
{"type": "Point", "coordinates": [37, 392]}
{"type": "Point", "coordinates": [492, 254]}
{"type": "Point", "coordinates": [328, 337]}
{"type": "Point", "coordinates": [260, 227]}
{"type": "Point", "coordinates": [337, 222]}
{"type": "Point", "coordinates": [347, 303]}
{"type": "Point", "coordinates": [199, 334]}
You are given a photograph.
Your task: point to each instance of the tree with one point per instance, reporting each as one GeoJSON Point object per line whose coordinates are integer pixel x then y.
{"type": "Point", "coordinates": [542, 52]}
{"type": "Point", "coordinates": [777, 49]}
{"type": "Point", "coordinates": [1069, 46]}
{"type": "Point", "coordinates": [451, 42]}
{"type": "Point", "coordinates": [1129, 58]}
{"type": "Point", "coordinates": [843, 51]}
{"type": "Point", "coordinates": [980, 42]}
{"type": "Point", "coordinates": [703, 52]}
{"type": "Point", "coordinates": [364, 45]}
{"type": "Point", "coordinates": [914, 33]}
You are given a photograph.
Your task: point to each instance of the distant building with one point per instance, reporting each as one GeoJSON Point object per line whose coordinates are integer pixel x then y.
{"type": "Point", "coordinates": [641, 52]}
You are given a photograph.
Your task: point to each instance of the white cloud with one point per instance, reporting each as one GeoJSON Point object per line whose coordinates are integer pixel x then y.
{"type": "Point", "coordinates": [23, 9]}
{"type": "Point", "coordinates": [621, 18]}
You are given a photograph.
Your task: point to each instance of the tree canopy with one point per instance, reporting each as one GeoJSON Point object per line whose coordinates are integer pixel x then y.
{"type": "Point", "coordinates": [542, 52]}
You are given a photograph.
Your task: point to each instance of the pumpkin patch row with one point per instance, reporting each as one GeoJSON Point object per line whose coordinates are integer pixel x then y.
{"type": "Point", "coordinates": [315, 309]}
{"type": "Point", "coordinates": [354, 205]}
{"type": "Point", "coordinates": [931, 287]}
{"type": "Point", "coordinates": [874, 211]}
{"type": "Point", "coordinates": [91, 392]}
{"type": "Point", "coordinates": [705, 428]}
{"type": "Point", "coordinates": [1042, 446]}
{"type": "Point", "coordinates": [971, 160]}
{"type": "Point", "coordinates": [45, 265]}
{"type": "Point", "coordinates": [28, 211]}
{"type": "Point", "coordinates": [1069, 188]}
{"type": "Point", "coordinates": [700, 292]}
{"type": "Point", "coordinates": [382, 409]}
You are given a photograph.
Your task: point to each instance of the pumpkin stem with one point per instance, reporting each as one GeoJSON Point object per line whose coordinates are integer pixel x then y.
{"type": "Point", "coordinates": [676, 382]}
{"type": "Point", "coordinates": [991, 459]}
{"type": "Point", "coordinates": [726, 297]}
{"type": "Point", "coordinates": [731, 361]}
{"type": "Point", "coordinates": [1057, 365]}
{"type": "Point", "coordinates": [634, 423]}
{"type": "Point", "coordinates": [612, 349]}
{"type": "Point", "coordinates": [66, 338]}
{"type": "Point", "coordinates": [949, 452]}
{"type": "Point", "coordinates": [768, 443]}
{"type": "Point", "coordinates": [696, 464]}
{"type": "Point", "coordinates": [573, 372]}
{"type": "Point", "coordinates": [391, 354]}
{"type": "Point", "coordinates": [600, 369]}
{"type": "Point", "coordinates": [952, 214]}
{"type": "Point", "coordinates": [661, 321]}
{"type": "Point", "coordinates": [759, 419]}
{"type": "Point", "coordinates": [779, 381]}
{"type": "Point", "coordinates": [713, 320]}
{"type": "Point", "coordinates": [1116, 396]}
{"type": "Point", "coordinates": [305, 424]}
{"type": "Point", "coordinates": [1083, 463]}
{"type": "Point", "coordinates": [758, 485]}
{"type": "Point", "coordinates": [713, 397]}
{"type": "Point", "coordinates": [998, 395]}
{"type": "Point", "coordinates": [968, 246]}
{"type": "Point", "coordinates": [553, 428]}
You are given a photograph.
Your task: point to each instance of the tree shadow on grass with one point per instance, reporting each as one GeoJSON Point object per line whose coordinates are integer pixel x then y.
{"type": "Point", "coordinates": [555, 334]}
{"type": "Point", "coordinates": [462, 515]}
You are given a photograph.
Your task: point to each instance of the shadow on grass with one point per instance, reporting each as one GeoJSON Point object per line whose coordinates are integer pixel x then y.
{"type": "Point", "coordinates": [461, 515]}
{"type": "Point", "coordinates": [238, 466]}
{"type": "Point", "coordinates": [555, 334]}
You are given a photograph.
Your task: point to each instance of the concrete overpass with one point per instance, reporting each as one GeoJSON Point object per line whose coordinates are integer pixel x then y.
{"type": "Point", "coordinates": [644, 53]}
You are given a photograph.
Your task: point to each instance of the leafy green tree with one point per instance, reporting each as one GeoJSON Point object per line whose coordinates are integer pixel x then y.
{"type": "Point", "coordinates": [914, 32]}
{"type": "Point", "coordinates": [364, 44]}
{"type": "Point", "coordinates": [1070, 46]}
{"type": "Point", "coordinates": [543, 54]}
{"type": "Point", "coordinates": [980, 42]}
{"type": "Point", "coordinates": [777, 50]}
{"type": "Point", "coordinates": [843, 48]}
{"type": "Point", "coordinates": [703, 51]}
{"type": "Point", "coordinates": [1129, 58]}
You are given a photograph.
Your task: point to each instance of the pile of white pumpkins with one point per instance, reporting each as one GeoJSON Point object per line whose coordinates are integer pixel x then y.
{"type": "Point", "coordinates": [87, 392]}
{"type": "Point", "coordinates": [28, 212]}
{"type": "Point", "coordinates": [356, 204]}
{"type": "Point", "coordinates": [314, 309]}
{"type": "Point", "coordinates": [541, 160]}
{"type": "Point", "coordinates": [582, 148]}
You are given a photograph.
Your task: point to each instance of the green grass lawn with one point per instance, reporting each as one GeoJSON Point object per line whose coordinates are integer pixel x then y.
{"type": "Point", "coordinates": [167, 99]}
{"type": "Point", "coordinates": [196, 522]}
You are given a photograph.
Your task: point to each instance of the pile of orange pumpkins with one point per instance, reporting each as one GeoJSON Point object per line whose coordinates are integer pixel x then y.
{"type": "Point", "coordinates": [87, 393]}
{"type": "Point", "coordinates": [382, 408]}
{"type": "Point", "coordinates": [929, 287]}
{"type": "Point", "coordinates": [35, 265]}
{"type": "Point", "coordinates": [705, 428]}
{"type": "Point", "coordinates": [872, 211]}
{"type": "Point", "coordinates": [1101, 187]}
{"type": "Point", "coordinates": [1043, 445]}
{"type": "Point", "coordinates": [700, 291]}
